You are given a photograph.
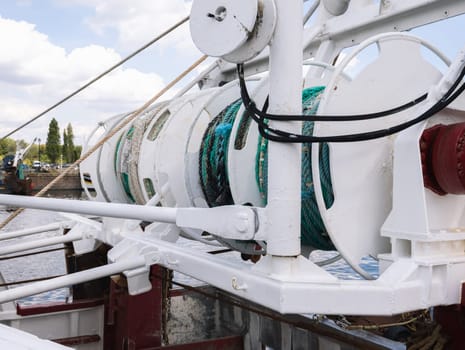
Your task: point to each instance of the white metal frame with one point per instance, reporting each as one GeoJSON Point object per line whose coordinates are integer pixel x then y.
{"type": "Point", "coordinates": [284, 280]}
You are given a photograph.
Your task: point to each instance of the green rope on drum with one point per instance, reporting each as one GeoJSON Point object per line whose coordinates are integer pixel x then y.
{"type": "Point", "coordinates": [313, 231]}
{"type": "Point", "coordinates": [127, 189]}
{"type": "Point", "coordinates": [124, 177]}
{"type": "Point", "coordinates": [213, 157]}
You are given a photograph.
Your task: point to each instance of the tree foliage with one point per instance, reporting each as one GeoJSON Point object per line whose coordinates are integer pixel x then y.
{"type": "Point", "coordinates": [65, 148]}
{"type": "Point", "coordinates": [77, 152]}
{"type": "Point", "coordinates": [68, 144]}
{"type": "Point", "coordinates": [7, 146]}
{"type": "Point", "coordinates": [53, 144]}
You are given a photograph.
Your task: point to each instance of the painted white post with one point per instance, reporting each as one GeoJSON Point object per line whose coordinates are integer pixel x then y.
{"type": "Point", "coordinates": [284, 160]}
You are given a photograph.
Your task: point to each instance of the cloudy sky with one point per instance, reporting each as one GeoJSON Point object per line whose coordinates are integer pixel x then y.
{"type": "Point", "coordinates": [51, 47]}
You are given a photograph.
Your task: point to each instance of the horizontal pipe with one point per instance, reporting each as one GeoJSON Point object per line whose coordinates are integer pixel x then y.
{"type": "Point", "coordinates": [38, 243]}
{"type": "Point", "coordinates": [33, 230]}
{"type": "Point", "coordinates": [116, 210]}
{"type": "Point", "coordinates": [71, 279]}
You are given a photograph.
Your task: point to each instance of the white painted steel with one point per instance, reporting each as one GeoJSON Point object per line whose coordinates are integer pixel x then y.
{"type": "Point", "coordinates": [217, 102]}
{"type": "Point", "coordinates": [336, 7]}
{"type": "Point", "coordinates": [362, 20]}
{"type": "Point", "coordinates": [431, 218]}
{"type": "Point", "coordinates": [362, 202]}
{"type": "Point", "coordinates": [107, 171]}
{"type": "Point", "coordinates": [260, 36]}
{"type": "Point", "coordinates": [136, 182]}
{"type": "Point", "coordinates": [72, 279]}
{"type": "Point", "coordinates": [100, 166]}
{"type": "Point", "coordinates": [156, 147]}
{"type": "Point", "coordinates": [235, 222]}
{"type": "Point", "coordinates": [426, 263]}
{"type": "Point", "coordinates": [125, 211]}
{"type": "Point", "coordinates": [62, 324]}
{"type": "Point", "coordinates": [403, 287]}
{"type": "Point", "coordinates": [310, 12]}
{"type": "Point", "coordinates": [35, 230]}
{"type": "Point", "coordinates": [38, 243]}
{"type": "Point", "coordinates": [169, 149]}
{"type": "Point", "coordinates": [86, 168]}
{"type": "Point", "coordinates": [284, 160]}
{"type": "Point", "coordinates": [322, 75]}
{"type": "Point", "coordinates": [220, 27]}
{"type": "Point", "coordinates": [242, 159]}
{"type": "Point", "coordinates": [232, 222]}
{"type": "Point", "coordinates": [14, 339]}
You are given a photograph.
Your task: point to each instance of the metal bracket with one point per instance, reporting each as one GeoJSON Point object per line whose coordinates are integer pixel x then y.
{"type": "Point", "coordinates": [231, 222]}
{"type": "Point", "coordinates": [138, 278]}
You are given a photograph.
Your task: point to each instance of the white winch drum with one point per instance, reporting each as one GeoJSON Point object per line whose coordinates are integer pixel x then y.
{"type": "Point", "coordinates": [361, 172]}
{"type": "Point", "coordinates": [98, 176]}
{"type": "Point", "coordinates": [224, 97]}
{"type": "Point", "coordinates": [128, 151]}
{"type": "Point", "coordinates": [160, 166]}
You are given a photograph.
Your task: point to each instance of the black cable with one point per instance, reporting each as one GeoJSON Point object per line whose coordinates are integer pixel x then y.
{"type": "Point", "coordinates": [328, 117]}
{"type": "Point", "coordinates": [282, 136]}
{"type": "Point", "coordinates": [286, 137]}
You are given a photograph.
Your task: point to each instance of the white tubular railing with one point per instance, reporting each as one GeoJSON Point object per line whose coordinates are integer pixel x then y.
{"type": "Point", "coordinates": [39, 243]}
{"type": "Point", "coordinates": [71, 279]}
{"type": "Point", "coordinates": [115, 210]}
{"type": "Point", "coordinates": [34, 230]}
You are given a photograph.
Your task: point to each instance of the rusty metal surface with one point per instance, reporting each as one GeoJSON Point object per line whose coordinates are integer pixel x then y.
{"type": "Point", "coordinates": [133, 322]}
{"type": "Point", "coordinates": [80, 340]}
{"type": "Point", "coordinates": [452, 320]}
{"type": "Point", "coordinates": [30, 310]}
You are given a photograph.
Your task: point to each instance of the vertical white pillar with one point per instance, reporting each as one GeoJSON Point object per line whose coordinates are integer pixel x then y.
{"type": "Point", "coordinates": [284, 160]}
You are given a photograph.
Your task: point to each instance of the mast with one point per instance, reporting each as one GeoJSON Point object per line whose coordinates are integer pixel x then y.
{"type": "Point", "coordinates": [284, 162]}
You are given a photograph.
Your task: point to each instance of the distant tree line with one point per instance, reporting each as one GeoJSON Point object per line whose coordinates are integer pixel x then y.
{"type": "Point", "coordinates": [56, 149]}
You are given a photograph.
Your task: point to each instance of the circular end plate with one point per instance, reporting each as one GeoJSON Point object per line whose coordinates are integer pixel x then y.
{"type": "Point", "coordinates": [261, 35]}
{"type": "Point", "coordinates": [218, 28]}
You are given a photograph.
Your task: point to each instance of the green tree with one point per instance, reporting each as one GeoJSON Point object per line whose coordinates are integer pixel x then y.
{"type": "Point", "coordinates": [71, 148]}
{"type": "Point", "coordinates": [53, 146]}
{"type": "Point", "coordinates": [7, 146]}
{"type": "Point", "coordinates": [32, 155]}
{"type": "Point", "coordinates": [77, 152]}
{"type": "Point", "coordinates": [68, 144]}
{"type": "Point", "coordinates": [21, 144]}
{"type": "Point", "coordinates": [65, 148]}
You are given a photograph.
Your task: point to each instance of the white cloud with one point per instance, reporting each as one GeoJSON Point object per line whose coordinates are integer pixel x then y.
{"type": "Point", "coordinates": [35, 73]}
{"type": "Point", "coordinates": [138, 21]}
{"type": "Point", "coordinates": [27, 55]}
{"type": "Point", "coordinates": [125, 86]}
{"type": "Point", "coordinates": [15, 111]}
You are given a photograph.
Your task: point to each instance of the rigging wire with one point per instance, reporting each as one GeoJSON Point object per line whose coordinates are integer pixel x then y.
{"type": "Point", "coordinates": [114, 131]}
{"type": "Point", "coordinates": [9, 257]}
{"type": "Point", "coordinates": [124, 60]}
{"type": "Point", "coordinates": [8, 284]}
{"type": "Point", "coordinates": [311, 11]}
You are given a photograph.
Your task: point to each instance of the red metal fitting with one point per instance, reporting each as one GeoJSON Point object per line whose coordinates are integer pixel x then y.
{"type": "Point", "coordinates": [442, 150]}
